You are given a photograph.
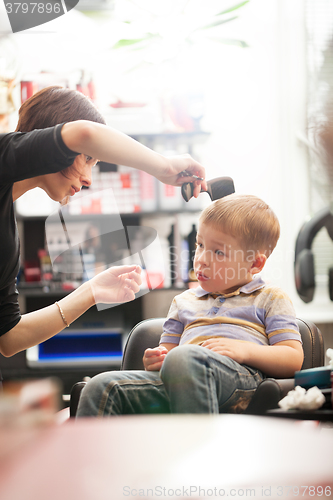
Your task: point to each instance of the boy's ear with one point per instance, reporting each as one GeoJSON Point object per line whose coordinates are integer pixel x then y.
{"type": "Point", "coordinates": [258, 263]}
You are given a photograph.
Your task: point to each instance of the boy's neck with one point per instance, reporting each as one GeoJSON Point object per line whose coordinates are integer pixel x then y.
{"type": "Point", "coordinates": [234, 288]}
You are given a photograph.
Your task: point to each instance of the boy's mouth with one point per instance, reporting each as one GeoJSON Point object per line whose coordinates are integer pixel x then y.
{"type": "Point", "coordinates": [201, 276]}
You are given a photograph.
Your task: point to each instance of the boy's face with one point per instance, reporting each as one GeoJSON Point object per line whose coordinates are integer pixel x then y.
{"type": "Point", "coordinates": [220, 264]}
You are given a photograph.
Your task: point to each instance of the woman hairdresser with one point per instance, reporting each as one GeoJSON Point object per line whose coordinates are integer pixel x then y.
{"type": "Point", "coordinates": [59, 136]}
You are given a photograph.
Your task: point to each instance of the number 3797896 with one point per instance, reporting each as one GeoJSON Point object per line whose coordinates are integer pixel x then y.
{"type": "Point", "coordinates": [33, 8]}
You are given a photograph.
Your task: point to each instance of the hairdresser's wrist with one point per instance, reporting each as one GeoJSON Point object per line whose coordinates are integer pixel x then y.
{"type": "Point", "coordinates": [78, 302]}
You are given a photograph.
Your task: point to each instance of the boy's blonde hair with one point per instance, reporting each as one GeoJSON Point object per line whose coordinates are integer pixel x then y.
{"type": "Point", "coordinates": [246, 218]}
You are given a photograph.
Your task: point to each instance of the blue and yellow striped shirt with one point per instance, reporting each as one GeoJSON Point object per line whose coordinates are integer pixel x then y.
{"type": "Point", "coordinates": [253, 313]}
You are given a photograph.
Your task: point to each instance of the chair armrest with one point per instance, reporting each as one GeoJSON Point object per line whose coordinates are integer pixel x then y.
{"type": "Point", "coordinates": [268, 394]}
{"type": "Point", "coordinates": [75, 397]}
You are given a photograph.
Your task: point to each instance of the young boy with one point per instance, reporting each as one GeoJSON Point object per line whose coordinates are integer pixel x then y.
{"type": "Point", "coordinates": [219, 339]}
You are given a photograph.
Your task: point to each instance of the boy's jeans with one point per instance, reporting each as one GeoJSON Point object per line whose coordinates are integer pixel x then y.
{"type": "Point", "coordinates": [193, 379]}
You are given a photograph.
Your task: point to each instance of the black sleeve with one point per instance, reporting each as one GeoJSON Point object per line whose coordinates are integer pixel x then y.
{"type": "Point", "coordinates": [27, 154]}
{"type": "Point", "coordinates": [9, 308]}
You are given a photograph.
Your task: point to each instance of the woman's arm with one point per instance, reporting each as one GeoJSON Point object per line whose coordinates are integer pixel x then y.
{"type": "Point", "coordinates": [110, 145]}
{"type": "Point", "coordinates": [279, 360]}
{"type": "Point", "coordinates": [115, 285]}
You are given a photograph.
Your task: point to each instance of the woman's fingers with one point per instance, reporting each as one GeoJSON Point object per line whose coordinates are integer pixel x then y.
{"type": "Point", "coordinates": [133, 285]}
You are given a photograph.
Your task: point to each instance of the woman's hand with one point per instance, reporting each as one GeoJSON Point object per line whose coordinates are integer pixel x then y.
{"type": "Point", "coordinates": [116, 285]}
{"type": "Point", "coordinates": [153, 358]}
{"type": "Point", "coordinates": [182, 163]}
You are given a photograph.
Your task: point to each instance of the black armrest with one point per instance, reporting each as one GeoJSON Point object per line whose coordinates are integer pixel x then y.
{"type": "Point", "coordinates": [268, 394]}
{"type": "Point", "coordinates": [75, 397]}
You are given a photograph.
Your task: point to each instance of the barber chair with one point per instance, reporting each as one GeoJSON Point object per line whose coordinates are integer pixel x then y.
{"type": "Point", "coordinates": [269, 392]}
{"type": "Point", "coordinates": [304, 258]}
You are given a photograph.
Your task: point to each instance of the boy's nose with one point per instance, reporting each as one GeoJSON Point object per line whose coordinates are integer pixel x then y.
{"type": "Point", "coordinates": [203, 258]}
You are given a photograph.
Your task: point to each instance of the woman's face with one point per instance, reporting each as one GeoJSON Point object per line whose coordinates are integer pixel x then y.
{"type": "Point", "coordinates": [66, 183]}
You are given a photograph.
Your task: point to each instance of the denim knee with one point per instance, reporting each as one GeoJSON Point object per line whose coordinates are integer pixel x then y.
{"type": "Point", "coordinates": [96, 385]}
{"type": "Point", "coordinates": [180, 361]}
{"type": "Point", "coordinates": [189, 380]}
{"type": "Point", "coordinates": [92, 394]}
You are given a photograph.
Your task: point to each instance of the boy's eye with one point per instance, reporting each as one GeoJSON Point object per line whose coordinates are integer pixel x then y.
{"type": "Point", "coordinates": [220, 253]}
{"type": "Point", "coordinates": [198, 245]}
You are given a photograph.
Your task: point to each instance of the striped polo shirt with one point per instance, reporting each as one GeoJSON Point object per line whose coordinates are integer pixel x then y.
{"type": "Point", "coordinates": [253, 313]}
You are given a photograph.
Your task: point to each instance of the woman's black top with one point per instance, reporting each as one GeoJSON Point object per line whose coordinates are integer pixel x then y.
{"type": "Point", "coordinates": [22, 156]}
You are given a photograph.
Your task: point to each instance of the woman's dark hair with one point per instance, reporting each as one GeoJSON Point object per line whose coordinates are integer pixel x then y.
{"type": "Point", "coordinates": [53, 105]}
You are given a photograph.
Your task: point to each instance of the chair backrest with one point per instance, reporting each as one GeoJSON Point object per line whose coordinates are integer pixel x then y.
{"type": "Point", "coordinates": [313, 344]}
{"type": "Point", "coordinates": [147, 334]}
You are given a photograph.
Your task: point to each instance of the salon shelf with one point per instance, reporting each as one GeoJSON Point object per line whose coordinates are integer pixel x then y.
{"type": "Point", "coordinates": [38, 290]}
{"type": "Point", "coordinates": [41, 290]}
{"type": "Point", "coordinates": [126, 217]}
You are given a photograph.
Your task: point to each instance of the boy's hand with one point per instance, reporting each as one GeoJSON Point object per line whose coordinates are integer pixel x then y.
{"type": "Point", "coordinates": [279, 360]}
{"type": "Point", "coordinates": [153, 358]}
{"type": "Point", "coordinates": [234, 349]}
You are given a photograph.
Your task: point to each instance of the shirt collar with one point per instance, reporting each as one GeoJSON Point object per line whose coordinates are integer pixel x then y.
{"type": "Point", "coordinates": [250, 287]}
